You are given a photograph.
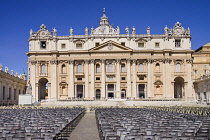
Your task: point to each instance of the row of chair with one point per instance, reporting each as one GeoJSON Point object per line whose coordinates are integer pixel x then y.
{"type": "Point", "coordinates": [149, 124]}
{"type": "Point", "coordinates": [41, 123]}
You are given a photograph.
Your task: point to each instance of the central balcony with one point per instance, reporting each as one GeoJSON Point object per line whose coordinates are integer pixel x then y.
{"type": "Point", "coordinates": [79, 74]}
{"type": "Point", "coordinates": [141, 73]}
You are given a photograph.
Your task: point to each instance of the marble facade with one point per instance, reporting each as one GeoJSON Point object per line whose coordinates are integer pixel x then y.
{"type": "Point", "coordinates": [103, 63]}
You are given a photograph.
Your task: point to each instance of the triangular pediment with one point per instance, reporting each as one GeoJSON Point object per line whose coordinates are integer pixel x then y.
{"type": "Point", "coordinates": [110, 46]}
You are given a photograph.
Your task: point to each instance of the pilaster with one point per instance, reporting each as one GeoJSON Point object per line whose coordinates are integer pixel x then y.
{"type": "Point", "coordinates": [149, 78]}
{"type": "Point", "coordinates": [103, 78]}
{"type": "Point", "coordinates": [71, 79]}
{"type": "Point", "coordinates": [134, 78]}
{"type": "Point", "coordinates": [87, 79]}
{"type": "Point", "coordinates": [190, 93]}
{"type": "Point", "coordinates": [118, 79]}
{"type": "Point", "coordinates": [92, 87]}
{"type": "Point", "coordinates": [32, 66]}
{"type": "Point", "coordinates": [128, 93]}
{"type": "Point", "coordinates": [54, 79]}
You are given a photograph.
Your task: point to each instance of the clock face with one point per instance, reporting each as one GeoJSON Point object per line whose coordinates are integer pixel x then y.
{"type": "Point", "coordinates": [43, 33]}
{"type": "Point", "coordinates": [178, 31]}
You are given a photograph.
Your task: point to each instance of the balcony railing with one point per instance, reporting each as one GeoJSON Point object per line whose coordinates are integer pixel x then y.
{"type": "Point", "coordinates": [43, 74]}
{"type": "Point", "coordinates": [179, 73]}
{"type": "Point", "coordinates": [141, 73]}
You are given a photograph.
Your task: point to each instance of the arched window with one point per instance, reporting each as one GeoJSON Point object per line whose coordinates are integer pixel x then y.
{"type": "Point", "coordinates": [97, 68]}
{"type": "Point", "coordinates": [178, 67]}
{"type": "Point", "coordinates": [123, 68]}
{"type": "Point", "coordinates": [157, 67]}
{"type": "Point", "coordinates": [141, 67]}
{"type": "Point", "coordinates": [79, 68]}
{"type": "Point", "coordinates": [63, 68]}
{"type": "Point", "coordinates": [110, 67]}
{"type": "Point", "coordinates": [43, 68]}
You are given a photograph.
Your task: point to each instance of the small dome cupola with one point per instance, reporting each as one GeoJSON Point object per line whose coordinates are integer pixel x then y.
{"type": "Point", "coordinates": [104, 19]}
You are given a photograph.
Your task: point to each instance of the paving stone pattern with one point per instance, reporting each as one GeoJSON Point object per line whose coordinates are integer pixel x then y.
{"type": "Point", "coordinates": [86, 129]}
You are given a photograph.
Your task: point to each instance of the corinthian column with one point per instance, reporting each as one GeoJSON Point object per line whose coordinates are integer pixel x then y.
{"type": "Point", "coordinates": [189, 92]}
{"type": "Point", "coordinates": [118, 79]}
{"type": "Point", "coordinates": [103, 78]}
{"type": "Point", "coordinates": [71, 79]}
{"type": "Point", "coordinates": [54, 79]}
{"type": "Point", "coordinates": [128, 93]}
{"type": "Point", "coordinates": [92, 86]}
{"type": "Point", "coordinates": [149, 79]}
{"type": "Point", "coordinates": [134, 78]}
{"type": "Point", "coordinates": [86, 79]}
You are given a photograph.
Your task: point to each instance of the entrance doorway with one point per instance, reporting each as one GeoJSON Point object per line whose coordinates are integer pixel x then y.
{"type": "Point", "coordinates": [141, 89]}
{"type": "Point", "coordinates": [79, 92]}
{"type": "Point", "coordinates": [123, 94]}
{"type": "Point", "coordinates": [98, 94]}
{"type": "Point", "coordinates": [178, 87]}
{"type": "Point", "coordinates": [110, 92]}
{"type": "Point", "coordinates": [42, 89]}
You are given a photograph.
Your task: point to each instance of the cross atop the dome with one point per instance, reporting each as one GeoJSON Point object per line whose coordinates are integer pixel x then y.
{"type": "Point", "coordinates": [104, 10]}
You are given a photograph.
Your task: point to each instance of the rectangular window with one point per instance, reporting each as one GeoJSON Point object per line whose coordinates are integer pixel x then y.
{"type": "Point", "coordinates": [3, 93]}
{"type": "Point", "coordinates": [79, 46]}
{"type": "Point", "coordinates": [157, 44]}
{"type": "Point", "coordinates": [43, 44]}
{"type": "Point", "coordinates": [97, 44]}
{"type": "Point", "coordinates": [123, 78]}
{"type": "Point", "coordinates": [79, 68]}
{"type": "Point", "coordinates": [43, 69]}
{"type": "Point", "coordinates": [63, 46]}
{"type": "Point", "coordinates": [141, 78]}
{"type": "Point", "coordinates": [177, 43]}
{"type": "Point", "coordinates": [79, 79]}
{"type": "Point", "coordinates": [123, 43]}
{"type": "Point", "coordinates": [9, 94]}
{"type": "Point", "coordinates": [141, 45]}
{"type": "Point", "coordinates": [97, 78]}
{"type": "Point", "coordinates": [110, 67]}
{"type": "Point", "coordinates": [14, 94]}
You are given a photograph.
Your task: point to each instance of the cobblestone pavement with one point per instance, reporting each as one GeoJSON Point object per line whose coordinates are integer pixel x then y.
{"type": "Point", "coordinates": [86, 129]}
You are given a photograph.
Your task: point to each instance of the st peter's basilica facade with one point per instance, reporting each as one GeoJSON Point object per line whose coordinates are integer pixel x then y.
{"type": "Point", "coordinates": [103, 63]}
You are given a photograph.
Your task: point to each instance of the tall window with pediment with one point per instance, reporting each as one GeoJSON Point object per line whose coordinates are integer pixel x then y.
{"type": "Point", "coordinates": [97, 68]}
{"type": "Point", "coordinates": [178, 67]}
{"type": "Point", "coordinates": [79, 68]}
{"type": "Point", "coordinates": [122, 67]}
{"type": "Point", "coordinates": [141, 67]}
{"type": "Point", "coordinates": [110, 67]}
{"type": "Point", "coordinates": [43, 68]}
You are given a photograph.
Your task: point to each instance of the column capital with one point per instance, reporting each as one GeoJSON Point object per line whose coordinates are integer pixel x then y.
{"type": "Point", "coordinates": [33, 62]}
{"type": "Point", "coordinates": [71, 61]}
{"type": "Point", "coordinates": [128, 60]}
{"type": "Point", "coordinates": [150, 60]}
{"type": "Point", "coordinates": [92, 61]}
{"type": "Point", "coordinates": [87, 61]}
{"type": "Point", "coordinates": [103, 60]}
{"type": "Point", "coordinates": [189, 61]}
{"type": "Point", "coordinates": [134, 61]}
{"type": "Point", "coordinates": [167, 60]}
{"type": "Point", "coordinates": [118, 61]}
{"type": "Point", "coordinates": [55, 62]}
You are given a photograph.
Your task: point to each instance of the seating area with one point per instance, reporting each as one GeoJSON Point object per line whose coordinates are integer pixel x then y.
{"type": "Point", "coordinates": [37, 123]}
{"type": "Point", "coordinates": [151, 124]}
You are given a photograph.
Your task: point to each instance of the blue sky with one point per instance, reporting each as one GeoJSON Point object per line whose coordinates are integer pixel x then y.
{"type": "Point", "coordinates": [17, 17]}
